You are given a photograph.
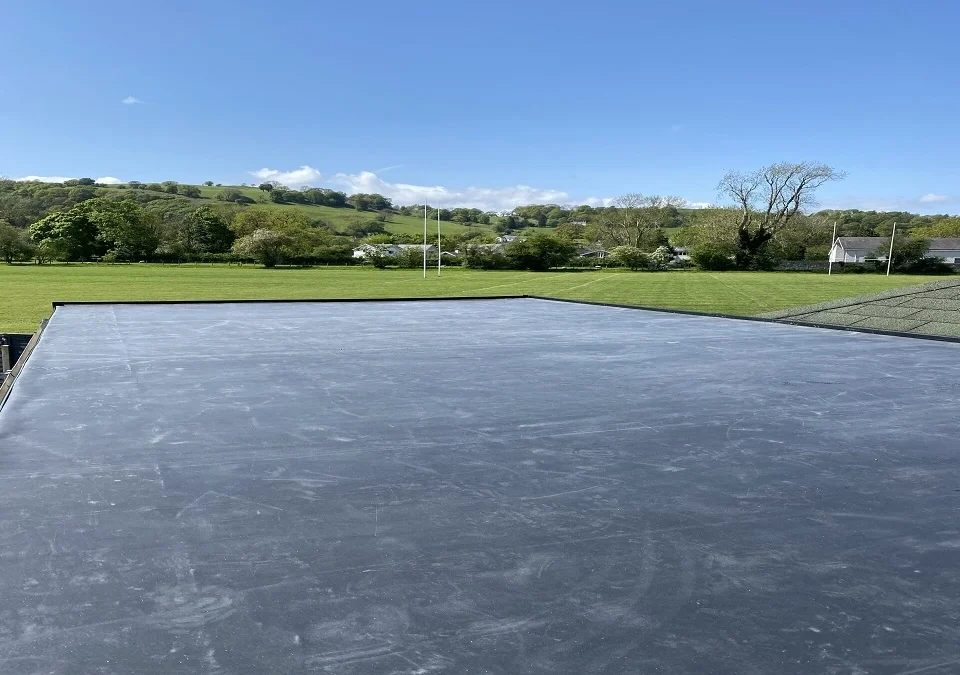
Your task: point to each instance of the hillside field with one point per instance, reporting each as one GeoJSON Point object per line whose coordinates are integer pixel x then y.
{"type": "Point", "coordinates": [26, 291]}
{"type": "Point", "coordinates": [338, 218]}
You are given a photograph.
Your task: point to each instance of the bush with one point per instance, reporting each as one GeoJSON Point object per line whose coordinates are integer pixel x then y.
{"type": "Point", "coordinates": [539, 252]}
{"type": "Point", "coordinates": [661, 258]}
{"type": "Point", "coordinates": [233, 195]}
{"type": "Point", "coordinates": [712, 258]}
{"type": "Point", "coordinates": [485, 259]}
{"type": "Point", "coordinates": [630, 256]}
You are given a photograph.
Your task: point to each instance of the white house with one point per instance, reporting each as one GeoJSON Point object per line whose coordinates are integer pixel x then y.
{"type": "Point", "coordinates": [506, 238]}
{"type": "Point", "coordinates": [858, 249]}
{"type": "Point", "coordinates": [391, 250]}
{"type": "Point", "coordinates": [364, 250]}
{"type": "Point", "coordinates": [431, 249]}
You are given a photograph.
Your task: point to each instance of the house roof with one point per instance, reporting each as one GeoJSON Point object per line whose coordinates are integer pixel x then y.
{"type": "Point", "coordinates": [418, 247]}
{"type": "Point", "coordinates": [945, 244]}
{"type": "Point", "coordinates": [870, 243]}
{"type": "Point", "coordinates": [858, 243]}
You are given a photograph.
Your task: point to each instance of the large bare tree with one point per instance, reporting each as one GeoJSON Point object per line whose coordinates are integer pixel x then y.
{"type": "Point", "coordinates": [632, 217]}
{"type": "Point", "coordinates": [769, 198]}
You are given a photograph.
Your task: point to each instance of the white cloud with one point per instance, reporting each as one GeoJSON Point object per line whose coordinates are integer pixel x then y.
{"type": "Point", "coordinates": [131, 100]}
{"type": "Point", "coordinates": [305, 175]}
{"type": "Point", "coordinates": [930, 197]}
{"type": "Point", "coordinates": [487, 199]}
{"type": "Point", "coordinates": [45, 179]}
{"type": "Point", "coordinates": [109, 180]}
{"type": "Point", "coordinates": [699, 205]}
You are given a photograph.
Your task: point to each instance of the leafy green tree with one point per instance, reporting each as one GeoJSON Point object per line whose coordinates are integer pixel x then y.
{"type": "Point", "coordinates": [233, 195]}
{"type": "Point", "coordinates": [909, 255]}
{"type": "Point", "coordinates": [264, 246]}
{"type": "Point", "coordinates": [124, 228]}
{"type": "Point", "coordinates": [204, 231]}
{"type": "Point", "coordinates": [157, 187]}
{"type": "Point", "coordinates": [539, 251]}
{"type": "Point", "coordinates": [71, 234]}
{"type": "Point", "coordinates": [170, 186]}
{"type": "Point", "coordinates": [630, 256]}
{"type": "Point", "coordinates": [15, 244]}
{"type": "Point", "coordinates": [86, 181]}
{"type": "Point", "coordinates": [188, 190]}
{"type": "Point", "coordinates": [208, 183]}
{"type": "Point", "coordinates": [569, 231]}
{"type": "Point", "coordinates": [949, 227]}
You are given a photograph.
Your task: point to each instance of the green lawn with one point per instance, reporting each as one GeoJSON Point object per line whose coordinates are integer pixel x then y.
{"type": "Point", "coordinates": [26, 291]}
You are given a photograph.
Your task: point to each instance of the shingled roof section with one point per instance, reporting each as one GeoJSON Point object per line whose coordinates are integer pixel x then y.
{"type": "Point", "coordinates": [928, 309]}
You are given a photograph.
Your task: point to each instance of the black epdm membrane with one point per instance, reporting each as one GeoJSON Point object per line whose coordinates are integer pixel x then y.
{"type": "Point", "coordinates": [476, 486]}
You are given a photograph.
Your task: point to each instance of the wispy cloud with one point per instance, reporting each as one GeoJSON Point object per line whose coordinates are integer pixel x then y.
{"type": "Point", "coordinates": [131, 100]}
{"type": "Point", "coordinates": [931, 198]}
{"type": "Point", "coordinates": [676, 127]}
{"type": "Point", "coordinates": [388, 168]}
{"type": "Point", "coordinates": [305, 175]}
{"type": "Point", "coordinates": [45, 179]}
{"type": "Point", "coordinates": [488, 199]}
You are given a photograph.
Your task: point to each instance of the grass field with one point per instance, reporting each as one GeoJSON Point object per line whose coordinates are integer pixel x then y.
{"type": "Point", "coordinates": [26, 291]}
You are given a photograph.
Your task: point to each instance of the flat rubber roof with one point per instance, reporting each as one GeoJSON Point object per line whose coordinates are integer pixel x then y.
{"type": "Point", "coordinates": [476, 486]}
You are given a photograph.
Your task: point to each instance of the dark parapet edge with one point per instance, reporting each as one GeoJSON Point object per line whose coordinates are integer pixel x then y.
{"type": "Point", "coordinates": [247, 301]}
{"type": "Point", "coordinates": [7, 385]}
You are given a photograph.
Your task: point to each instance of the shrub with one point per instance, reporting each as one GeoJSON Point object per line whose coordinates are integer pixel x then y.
{"type": "Point", "coordinates": [630, 256]}
{"type": "Point", "coordinates": [661, 258]}
{"type": "Point", "coordinates": [712, 257]}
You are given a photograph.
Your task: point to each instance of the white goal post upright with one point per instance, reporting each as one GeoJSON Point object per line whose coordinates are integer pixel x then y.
{"type": "Point", "coordinates": [439, 250]}
{"type": "Point", "coordinates": [424, 241]}
{"type": "Point", "coordinates": [833, 245]}
{"type": "Point", "coordinates": [890, 254]}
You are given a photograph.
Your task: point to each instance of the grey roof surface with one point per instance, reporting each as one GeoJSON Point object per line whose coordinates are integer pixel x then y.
{"type": "Point", "coordinates": [862, 242]}
{"type": "Point", "coordinates": [485, 486]}
{"type": "Point", "coordinates": [869, 243]}
{"type": "Point", "coordinates": [927, 309]}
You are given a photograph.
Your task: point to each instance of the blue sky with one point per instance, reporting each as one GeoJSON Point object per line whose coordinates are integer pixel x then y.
{"type": "Point", "coordinates": [489, 103]}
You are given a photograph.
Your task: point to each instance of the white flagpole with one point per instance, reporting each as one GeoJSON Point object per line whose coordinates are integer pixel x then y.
{"type": "Point", "coordinates": [424, 241]}
{"type": "Point", "coordinates": [890, 255]}
{"type": "Point", "coordinates": [439, 250]}
{"type": "Point", "coordinates": [833, 245]}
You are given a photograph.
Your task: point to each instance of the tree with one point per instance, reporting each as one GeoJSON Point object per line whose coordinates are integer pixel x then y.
{"type": "Point", "coordinates": [266, 187]}
{"type": "Point", "coordinates": [540, 251]}
{"type": "Point", "coordinates": [632, 218]}
{"type": "Point", "coordinates": [15, 244]}
{"type": "Point", "coordinates": [264, 246]}
{"type": "Point", "coordinates": [155, 187]}
{"type": "Point", "coordinates": [949, 227]}
{"type": "Point", "coordinates": [124, 228]}
{"type": "Point", "coordinates": [233, 195]}
{"type": "Point", "coordinates": [630, 256]}
{"type": "Point", "coordinates": [70, 234]}
{"type": "Point", "coordinates": [768, 199]}
{"type": "Point", "coordinates": [188, 190]}
{"type": "Point", "coordinates": [569, 231]}
{"type": "Point", "coordinates": [86, 181]}
{"type": "Point", "coordinates": [208, 183]}
{"type": "Point", "coordinates": [909, 255]}
{"type": "Point", "coordinates": [170, 186]}
{"type": "Point", "coordinates": [203, 231]}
